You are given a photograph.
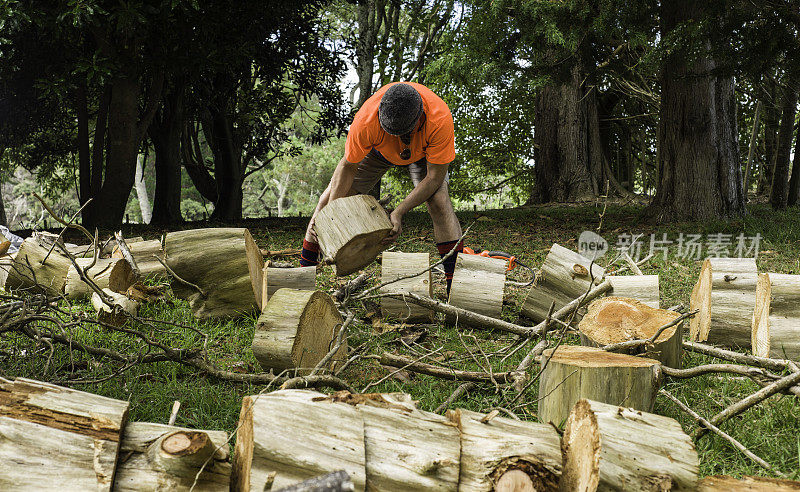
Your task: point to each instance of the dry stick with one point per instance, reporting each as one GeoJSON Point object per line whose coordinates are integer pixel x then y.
{"type": "Point", "coordinates": [713, 428]}
{"type": "Point", "coordinates": [632, 264]}
{"type": "Point", "coordinates": [394, 360]}
{"type": "Point", "coordinates": [692, 372]}
{"type": "Point", "coordinates": [375, 383]}
{"type": "Point", "coordinates": [179, 279]}
{"type": "Point", "coordinates": [173, 416]}
{"type": "Point", "coordinates": [352, 286]}
{"type": "Point", "coordinates": [753, 399]}
{"type": "Point", "coordinates": [468, 386]}
{"type": "Point", "coordinates": [60, 220]}
{"type": "Point", "coordinates": [751, 360]}
{"type": "Point", "coordinates": [630, 344]}
{"type": "Point", "coordinates": [66, 226]}
{"type": "Point", "coordinates": [638, 264]}
{"type": "Point", "coordinates": [126, 253]}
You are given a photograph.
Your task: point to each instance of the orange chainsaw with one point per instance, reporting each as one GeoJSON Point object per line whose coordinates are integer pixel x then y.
{"type": "Point", "coordinates": [500, 255]}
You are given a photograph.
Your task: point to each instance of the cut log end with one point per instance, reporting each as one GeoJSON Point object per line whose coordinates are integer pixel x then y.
{"type": "Point", "coordinates": [760, 329]}
{"type": "Point", "coordinates": [243, 455]}
{"type": "Point", "coordinates": [184, 443]}
{"type": "Point", "coordinates": [581, 450]}
{"type": "Point", "coordinates": [255, 263]}
{"type": "Point", "coordinates": [577, 356]}
{"type": "Point", "coordinates": [359, 252]}
{"type": "Point", "coordinates": [700, 301]}
{"type": "Point", "coordinates": [519, 474]}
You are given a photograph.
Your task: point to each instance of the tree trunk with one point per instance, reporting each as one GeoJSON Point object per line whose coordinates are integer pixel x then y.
{"type": "Point", "coordinates": [366, 14]}
{"type": "Point", "coordinates": [141, 190]}
{"type": "Point", "coordinates": [143, 253]}
{"type": "Point", "coordinates": [228, 169]}
{"type": "Point", "coordinates": [771, 117]}
{"type": "Point", "coordinates": [27, 271]}
{"type": "Point", "coordinates": [751, 150]}
{"type": "Point", "coordinates": [794, 183]}
{"type": "Point", "coordinates": [165, 133]}
{"type": "Point", "coordinates": [195, 164]}
{"type": "Point", "coordinates": [778, 196]}
{"type": "Point", "coordinates": [700, 176]}
{"type": "Point", "coordinates": [3, 218]}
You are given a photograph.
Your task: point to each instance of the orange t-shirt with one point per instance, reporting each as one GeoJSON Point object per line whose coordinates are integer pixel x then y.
{"type": "Point", "coordinates": [435, 140]}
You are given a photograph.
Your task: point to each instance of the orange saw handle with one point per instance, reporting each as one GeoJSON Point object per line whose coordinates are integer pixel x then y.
{"type": "Point", "coordinates": [500, 255]}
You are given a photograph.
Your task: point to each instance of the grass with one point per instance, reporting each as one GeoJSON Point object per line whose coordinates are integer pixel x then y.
{"type": "Point", "coordinates": [771, 430]}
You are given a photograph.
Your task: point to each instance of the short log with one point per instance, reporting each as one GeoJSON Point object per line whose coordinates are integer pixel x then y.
{"type": "Point", "coordinates": [501, 449]}
{"type": "Point", "coordinates": [296, 330]}
{"type": "Point", "coordinates": [350, 231]}
{"type": "Point", "coordinates": [643, 288]}
{"type": "Point", "coordinates": [609, 447]}
{"type": "Point", "coordinates": [564, 276]}
{"type": "Point", "coordinates": [5, 266]}
{"type": "Point", "coordinates": [478, 284]}
{"type": "Point", "coordinates": [724, 296]}
{"type": "Point", "coordinates": [722, 483]}
{"type": "Point", "coordinates": [268, 446]}
{"type": "Point", "coordinates": [619, 319]}
{"type": "Point", "coordinates": [574, 372]}
{"type": "Point", "coordinates": [163, 457]}
{"type": "Point", "coordinates": [272, 279]}
{"type": "Point", "coordinates": [776, 320]}
{"type": "Point", "coordinates": [27, 272]}
{"type": "Point", "coordinates": [115, 313]}
{"type": "Point", "coordinates": [395, 265]}
{"type": "Point", "coordinates": [56, 438]}
{"type": "Point", "coordinates": [144, 253]}
{"type": "Point", "coordinates": [108, 273]}
{"type": "Point", "coordinates": [226, 265]}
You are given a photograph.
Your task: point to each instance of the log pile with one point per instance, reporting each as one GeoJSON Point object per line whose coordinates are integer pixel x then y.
{"type": "Point", "coordinates": [776, 320]}
{"type": "Point", "coordinates": [564, 276]}
{"type": "Point", "coordinates": [725, 297]}
{"type": "Point", "coordinates": [478, 284]}
{"type": "Point", "coordinates": [350, 231]}
{"type": "Point", "coordinates": [394, 267]}
{"type": "Point", "coordinates": [609, 447]}
{"type": "Point", "coordinates": [613, 319]}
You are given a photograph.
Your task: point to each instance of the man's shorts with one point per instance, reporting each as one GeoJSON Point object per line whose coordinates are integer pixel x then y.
{"type": "Point", "coordinates": [374, 166]}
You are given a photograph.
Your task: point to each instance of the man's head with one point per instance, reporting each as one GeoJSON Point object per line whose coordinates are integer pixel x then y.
{"type": "Point", "coordinates": [400, 109]}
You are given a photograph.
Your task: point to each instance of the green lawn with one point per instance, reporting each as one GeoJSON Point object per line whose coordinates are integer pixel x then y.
{"type": "Point", "coordinates": [772, 430]}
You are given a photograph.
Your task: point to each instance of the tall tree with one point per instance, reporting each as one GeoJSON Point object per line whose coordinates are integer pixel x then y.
{"type": "Point", "coordinates": [778, 197]}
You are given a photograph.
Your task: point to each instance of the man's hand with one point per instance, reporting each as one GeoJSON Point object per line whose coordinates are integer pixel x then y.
{"type": "Point", "coordinates": [397, 228]}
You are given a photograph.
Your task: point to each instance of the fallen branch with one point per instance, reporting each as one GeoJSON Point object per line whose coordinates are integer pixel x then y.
{"type": "Point", "coordinates": [750, 360]}
{"type": "Point", "coordinates": [394, 360]}
{"type": "Point", "coordinates": [126, 253]}
{"type": "Point", "coordinates": [468, 386]}
{"type": "Point", "coordinates": [631, 344]}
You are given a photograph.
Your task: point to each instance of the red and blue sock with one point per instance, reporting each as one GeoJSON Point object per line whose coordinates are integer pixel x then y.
{"type": "Point", "coordinates": [309, 256]}
{"type": "Point", "coordinates": [450, 263]}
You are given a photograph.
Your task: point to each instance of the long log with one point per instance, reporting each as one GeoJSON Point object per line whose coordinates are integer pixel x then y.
{"type": "Point", "coordinates": [493, 451]}
{"type": "Point", "coordinates": [564, 276]}
{"type": "Point", "coordinates": [611, 320]}
{"type": "Point", "coordinates": [350, 231]}
{"type": "Point", "coordinates": [226, 265]}
{"type": "Point", "coordinates": [144, 254]}
{"type": "Point", "coordinates": [396, 266]}
{"type": "Point", "coordinates": [163, 457]}
{"type": "Point", "coordinates": [272, 279]}
{"type": "Point", "coordinates": [724, 296]}
{"type": "Point", "coordinates": [296, 330]}
{"type": "Point", "coordinates": [572, 372]}
{"type": "Point", "coordinates": [478, 284]}
{"type": "Point", "coordinates": [722, 483]}
{"type": "Point", "coordinates": [108, 273]}
{"type": "Point", "coordinates": [643, 288]}
{"type": "Point", "coordinates": [776, 320]}
{"type": "Point", "coordinates": [27, 272]}
{"type": "Point", "coordinates": [338, 481]}
{"type": "Point", "coordinates": [609, 447]}
{"type": "Point", "coordinates": [56, 438]}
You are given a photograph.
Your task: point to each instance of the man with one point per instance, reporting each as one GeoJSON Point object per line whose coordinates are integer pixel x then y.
{"type": "Point", "coordinates": [402, 124]}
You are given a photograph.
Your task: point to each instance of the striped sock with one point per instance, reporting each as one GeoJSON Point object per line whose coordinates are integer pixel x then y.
{"type": "Point", "coordinates": [309, 256]}
{"type": "Point", "coordinates": [450, 263]}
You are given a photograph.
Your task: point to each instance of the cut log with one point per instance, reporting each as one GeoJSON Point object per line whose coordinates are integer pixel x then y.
{"type": "Point", "coordinates": [722, 483]}
{"type": "Point", "coordinates": [776, 320]}
{"type": "Point", "coordinates": [80, 250]}
{"type": "Point", "coordinates": [224, 263]}
{"type": "Point", "coordinates": [564, 277]}
{"type": "Point", "coordinates": [162, 457]}
{"type": "Point", "coordinates": [338, 481]}
{"type": "Point", "coordinates": [28, 273]}
{"type": "Point", "coordinates": [618, 319]}
{"type": "Point", "coordinates": [478, 284]}
{"type": "Point", "coordinates": [5, 266]}
{"type": "Point", "coordinates": [643, 288]}
{"type": "Point", "coordinates": [144, 253]}
{"type": "Point", "coordinates": [724, 296]}
{"type": "Point", "coordinates": [350, 231]}
{"type": "Point", "coordinates": [395, 265]}
{"type": "Point", "coordinates": [296, 330]}
{"type": "Point", "coordinates": [47, 239]}
{"type": "Point", "coordinates": [55, 438]}
{"type": "Point", "coordinates": [114, 314]}
{"type": "Point", "coordinates": [272, 279]}
{"type": "Point", "coordinates": [495, 453]}
{"type": "Point", "coordinates": [110, 245]}
{"type": "Point", "coordinates": [608, 447]}
{"type": "Point", "coordinates": [111, 273]}
{"type": "Point", "coordinates": [574, 372]}
{"type": "Point", "coordinates": [288, 436]}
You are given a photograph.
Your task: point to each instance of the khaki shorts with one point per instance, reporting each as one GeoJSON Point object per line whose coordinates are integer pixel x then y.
{"type": "Point", "coordinates": [374, 166]}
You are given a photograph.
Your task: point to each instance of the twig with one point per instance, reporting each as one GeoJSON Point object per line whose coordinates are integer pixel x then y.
{"type": "Point", "coordinates": [179, 279]}
{"type": "Point", "coordinates": [631, 264]}
{"type": "Point", "coordinates": [126, 253]}
{"type": "Point", "coordinates": [394, 360]}
{"type": "Point", "coordinates": [750, 360]}
{"type": "Point", "coordinates": [173, 416]}
{"type": "Point", "coordinates": [66, 226]}
{"type": "Point", "coordinates": [468, 386]}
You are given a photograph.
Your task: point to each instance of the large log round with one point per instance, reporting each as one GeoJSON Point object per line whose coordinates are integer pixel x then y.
{"type": "Point", "coordinates": [350, 231]}
{"type": "Point", "coordinates": [395, 266]}
{"type": "Point", "coordinates": [478, 284]}
{"type": "Point", "coordinates": [776, 320]}
{"type": "Point", "coordinates": [28, 272]}
{"type": "Point", "coordinates": [108, 273]}
{"type": "Point", "coordinates": [302, 278]}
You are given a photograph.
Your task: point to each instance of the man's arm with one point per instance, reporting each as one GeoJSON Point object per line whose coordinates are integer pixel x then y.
{"type": "Point", "coordinates": [421, 193]}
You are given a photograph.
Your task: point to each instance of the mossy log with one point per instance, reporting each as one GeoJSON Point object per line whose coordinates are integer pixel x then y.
{"type": "Point", "coordinates": [226, 265]}
{"type": "Point", "coordinates": [574, 372]}
{"type": "Point", "coordinates": [615, 448]}
{"type": "Point", "coordinates": [495, 452]}
{"type": "Point", "coordinates": [56, 438]}
{"type": "Point", "coordinates": [27, 272]}
{"type": "Point", "coordinates": [144, 254]}
{"type": "Point", "coordinates": [478, 284]}
{"type": "Point", "coordinates": [272, 279]}
{"type": "Point", "coordinates": [725, 297]}
{"type": "Point", "coordinates": [108, 273]}
{"type": "Point", "coordinates": [296, 330]}
{"type": "Point", "coordinates": [350, 231]}
{"type": "Point", "coordinates": [564, 276]}
{"type": "Point", "coordinates": [165, 458]}
{"type": "Point", "coordinates": [643, 288]}
{"type": "Point", "coordinates": [396, 265]}
{"type": "Point", "coordinates": [615, 319]}
{"type": "Point", "coordinates": [776, 320]}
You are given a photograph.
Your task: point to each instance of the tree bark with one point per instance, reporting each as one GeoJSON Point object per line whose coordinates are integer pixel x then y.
{"type": "Point", "coordinates": [478, 285]}
{"type": "Point", "coordinates": [228, 166]}
{"type": "Point", "coordinates": [698, 157]}
{"type": "Point", "coordinates": [771, 117]}
{"type": "Point", "coordinates": [778, 196]}
{"type": "Point", "coordinates": [3, 218]}
{"type": "Point", "coordinates": [141, 190]}
{"type": "Point", "coordinates": [165, 133]}
{"type": "Point", "coordinates": [367, 18]}
{"type": "Point", "coordinates": [752, 148]}
{"type": "Point", "coordinates": [195, 164]}
{"type": "Point", "coordinates": [794, 182]}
